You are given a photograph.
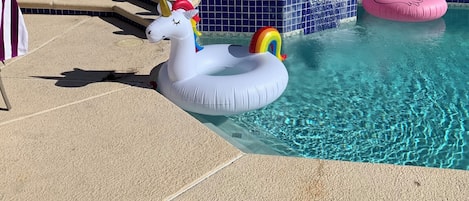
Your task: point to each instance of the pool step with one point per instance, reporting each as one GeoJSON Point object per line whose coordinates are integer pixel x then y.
{"type": "Point", "coordinates": [140, 13]}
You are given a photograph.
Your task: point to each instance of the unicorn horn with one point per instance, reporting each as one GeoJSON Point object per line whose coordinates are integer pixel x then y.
{"type": "Point", "coordinates": [165, 11]}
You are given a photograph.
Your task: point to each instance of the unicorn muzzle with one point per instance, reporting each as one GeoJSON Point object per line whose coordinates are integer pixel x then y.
{"type": "Point", "coordinates": [153, 36]}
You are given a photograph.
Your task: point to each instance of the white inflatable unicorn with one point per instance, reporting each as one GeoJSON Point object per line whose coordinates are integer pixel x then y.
{"type": "Point", "coordinates": [221, 79]}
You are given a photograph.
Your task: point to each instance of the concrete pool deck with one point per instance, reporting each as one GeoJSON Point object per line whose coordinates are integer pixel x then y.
{"type": "Point", "coordinates": [86, 125]}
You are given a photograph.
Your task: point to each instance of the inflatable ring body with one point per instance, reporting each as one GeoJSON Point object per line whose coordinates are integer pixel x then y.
{"type": "Point", "coordinates": [406, 10]}
{"type": "Point", "coordinates": [230, 80]}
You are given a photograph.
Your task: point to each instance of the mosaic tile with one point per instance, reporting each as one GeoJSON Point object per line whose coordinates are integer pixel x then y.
{"type": "Point", "coordinates": [457, 1]}
{"type": "Point", "coordinates": [285, 15]}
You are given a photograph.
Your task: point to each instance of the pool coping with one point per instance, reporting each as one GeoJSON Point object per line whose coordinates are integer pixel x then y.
{"type": "Point", "coordinates": [266, 177]}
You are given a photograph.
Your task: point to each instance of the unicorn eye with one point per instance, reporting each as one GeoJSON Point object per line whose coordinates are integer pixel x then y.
{"type": "Point", "coordinates": [176, 22]}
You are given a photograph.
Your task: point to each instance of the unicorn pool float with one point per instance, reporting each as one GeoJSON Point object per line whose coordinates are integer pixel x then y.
{"type": "Point", "coordinates": [221, 79]}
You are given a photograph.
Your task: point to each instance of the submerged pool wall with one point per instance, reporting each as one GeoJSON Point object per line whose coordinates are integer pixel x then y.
{"type": "Point", "coordinates": [290, 17]}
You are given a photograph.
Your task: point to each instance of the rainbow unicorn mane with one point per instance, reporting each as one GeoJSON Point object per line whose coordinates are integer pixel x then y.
{"type": "Point", "coordinates": [186, 5]}
{"type": "Point", "coordinates": [267, 39]}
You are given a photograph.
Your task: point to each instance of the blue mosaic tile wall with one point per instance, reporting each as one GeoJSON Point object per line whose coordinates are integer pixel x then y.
{"type": "Point", "coordinates": [457, 1]}
{"type": "Point", "coordinates": [305, 16]}
{"type": "Point", "coordinates": [64, 12]}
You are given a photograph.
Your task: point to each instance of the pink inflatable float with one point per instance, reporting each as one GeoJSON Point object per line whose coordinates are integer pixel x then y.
{"type": "Point", "coordinates": [406, 10]}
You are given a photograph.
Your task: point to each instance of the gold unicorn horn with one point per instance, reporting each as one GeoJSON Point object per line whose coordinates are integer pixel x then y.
{"type": "Point", "coordinates": [165, 12]}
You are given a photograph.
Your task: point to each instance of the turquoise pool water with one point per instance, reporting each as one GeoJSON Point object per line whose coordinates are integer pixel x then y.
{"type": "Point", "coordinates": [377, 91]}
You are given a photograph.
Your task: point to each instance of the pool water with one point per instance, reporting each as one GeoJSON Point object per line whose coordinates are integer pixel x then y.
{"type": "Point", "coordinates": [376, 91]}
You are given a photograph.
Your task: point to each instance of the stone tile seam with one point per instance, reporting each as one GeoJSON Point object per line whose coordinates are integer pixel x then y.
{"type": "Point", "coordinates": [49, 41]}
{"type": "Point", "coordinates": [204, 177]}
{"type": "Point", "coordinates": [62, 106]}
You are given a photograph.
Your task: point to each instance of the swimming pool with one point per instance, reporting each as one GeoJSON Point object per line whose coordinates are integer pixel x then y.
{"type": "Point", "coordinates": [377, 91]}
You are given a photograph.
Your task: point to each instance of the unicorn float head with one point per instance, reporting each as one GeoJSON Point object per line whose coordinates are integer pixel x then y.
{"type": "Point", "coordinates": [221, 79]}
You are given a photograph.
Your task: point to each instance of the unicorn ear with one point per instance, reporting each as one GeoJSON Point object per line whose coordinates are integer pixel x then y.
{"type": "Point", "coordinates": [191, 13]}
{"type": "Point", "coordinates": [164, 8]}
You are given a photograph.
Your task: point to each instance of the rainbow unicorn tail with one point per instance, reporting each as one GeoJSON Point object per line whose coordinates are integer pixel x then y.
{"type": "Point", "coordinates": [267, 39]}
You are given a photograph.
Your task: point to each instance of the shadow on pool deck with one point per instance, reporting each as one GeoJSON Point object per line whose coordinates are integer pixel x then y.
{"type": "Point", "coordinates": [125, 29]}
{"type": "Point", "coordinates": [80, 78]}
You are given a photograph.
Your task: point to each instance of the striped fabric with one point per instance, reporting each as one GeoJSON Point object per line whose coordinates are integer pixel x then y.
{"type": "Point", "coordinates": [13, 33]}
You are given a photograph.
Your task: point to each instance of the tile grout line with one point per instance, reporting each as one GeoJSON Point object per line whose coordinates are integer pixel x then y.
{"type": "Point", "coordinates": [61, 106]}
{"type": "Point", "coordinates": [49, 41]}
{"type": "Point", "coordinates": [203, 177]}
